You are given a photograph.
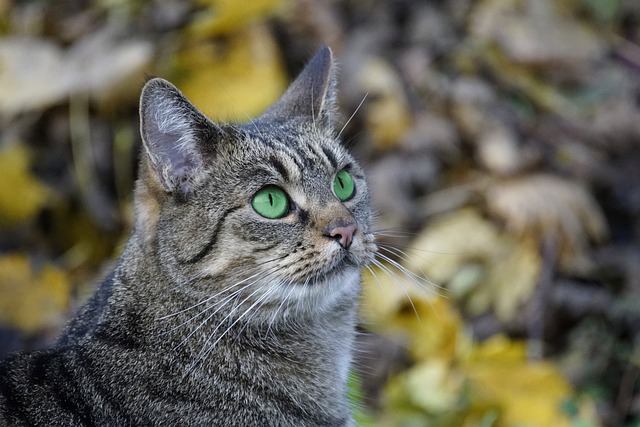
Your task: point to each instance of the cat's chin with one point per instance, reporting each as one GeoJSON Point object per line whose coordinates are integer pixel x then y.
{"type": "Point", "coordinates": [330, 288]}
{"type": "Point", "coordinates": [338, 272]}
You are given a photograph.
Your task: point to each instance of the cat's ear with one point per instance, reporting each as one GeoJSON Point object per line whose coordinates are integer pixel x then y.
{"type": "Point", "coordinates": [312, 95]}
{"type": "Point", "coordinates": [175, 135]}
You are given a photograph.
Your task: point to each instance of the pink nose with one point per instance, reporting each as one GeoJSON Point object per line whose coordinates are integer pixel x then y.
{"type": "Point", "coordinates": [343, 234]}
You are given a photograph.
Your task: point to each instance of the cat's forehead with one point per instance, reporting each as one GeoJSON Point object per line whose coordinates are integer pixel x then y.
{"type": "Point", "coordinates": [296, 151]}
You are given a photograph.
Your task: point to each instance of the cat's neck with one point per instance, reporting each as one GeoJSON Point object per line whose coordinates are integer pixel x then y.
{"type": "Point", "coordinates": [184, 326]}
{"type": "Point", "coordinates": [302, 361]}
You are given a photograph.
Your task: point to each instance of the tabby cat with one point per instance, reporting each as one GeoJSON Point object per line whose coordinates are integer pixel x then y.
{"type": "Point", "coordinates": [234, 301]}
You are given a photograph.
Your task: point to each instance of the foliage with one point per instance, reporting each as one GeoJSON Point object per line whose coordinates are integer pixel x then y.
{"type": "Point", "coordinates": [455, 380]}
{"type": "Point", "coordinates": [15, 179]}
{"type": "Point", "coordinates": [33, 298]}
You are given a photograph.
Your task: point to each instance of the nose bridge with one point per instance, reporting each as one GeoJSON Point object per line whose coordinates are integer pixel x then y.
{"type": "Point", "coordinates": [333, 215]}
{"type": "Point", "coordinates": [335, 222]}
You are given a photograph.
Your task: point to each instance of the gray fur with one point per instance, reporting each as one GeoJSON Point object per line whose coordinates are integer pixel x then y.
{"type": "Point", "coordinates": [215, 315]}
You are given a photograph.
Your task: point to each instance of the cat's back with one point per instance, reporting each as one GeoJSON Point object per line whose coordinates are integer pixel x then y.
{"type": "Point", "coordinates": [51, 389]}
{"type": "Point", "coordinates": [38, 389]}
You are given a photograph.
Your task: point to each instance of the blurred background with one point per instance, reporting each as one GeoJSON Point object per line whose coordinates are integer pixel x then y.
{"type": "Point", "coordinates": [502, 144]}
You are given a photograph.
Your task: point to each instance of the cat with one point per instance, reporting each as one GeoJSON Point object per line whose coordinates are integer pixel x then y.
{"type": "Point", "coordinates": [234, 301]}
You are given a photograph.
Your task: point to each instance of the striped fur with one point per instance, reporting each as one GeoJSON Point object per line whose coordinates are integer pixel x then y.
{"type": "Point", "coordinates": [213, 314]}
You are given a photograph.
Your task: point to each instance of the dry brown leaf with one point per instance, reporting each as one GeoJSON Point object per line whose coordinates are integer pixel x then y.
{"type": "Point", "coordinates": [498, 149]}
{"type": "Point", "coordinates": [36, 74]}
{"type": "Point", "coordinates": [535, 32]}
{"type": "Point", "coordinates": [106, 67]}
{"type": "Point", "coordinates": [26, 67]}
{"type": "Point", "coordinates": [472, 99]}
{"type": "Point", "coordinates": [545, 206]}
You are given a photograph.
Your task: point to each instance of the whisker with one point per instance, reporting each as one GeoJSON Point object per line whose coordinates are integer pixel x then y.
{"type": "Point", "coordinates": [204, 352]}
{"type": "Point", "coordinates": [420, 279]}
{"type": "Point", "coordinates": [313, 113]}
{"type": "Point", "coordinates": [285, 298]}
{"type": "Point", "coordinates": [217, 310]}
{"type": "Point", "coordinates": [271, 290]}
{"type": "Point", "coordinates": [253, 123]}
{"type": "Point", "coordinates": [393, 232]}
{"type": "Point", "coordinates": [414, 249]}
{"type": "Point", "coordinates": [394, 276]}
{"type": "Point", "coordinates": [375, 276]}
{"type": "Point", "coordinates": [305, 285]}
{"type": "Point", "coordinates": [218, 305]}
{"type": "Point", "coordinates": [202, 355]}
{"type": "Point", "coordinates": [226, 289]}
{"type": "Point", "coordinates": [353, 115]}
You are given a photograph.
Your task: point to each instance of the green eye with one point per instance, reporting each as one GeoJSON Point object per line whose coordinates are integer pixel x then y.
{"type": "Point", "coordinates": [343, 186]}
{"type": "Point", "coordinates": [271, 202]}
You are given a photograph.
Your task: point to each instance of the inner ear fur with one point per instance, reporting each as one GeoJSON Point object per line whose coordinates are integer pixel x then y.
{"type": "Point", "coordinates": [176, 136]}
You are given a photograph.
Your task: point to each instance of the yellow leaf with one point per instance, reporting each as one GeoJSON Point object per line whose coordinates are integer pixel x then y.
{"type": "Point", "coordinates": [427, 323]}
{"type": "Point", "coordinates": [499, 349]}
{"type": "Point", "coordinates": [31, 300]}
{"type": "Point", "coordinates": [438, 330]}
{"type": "Point", "coordinates": [21, 194]}
{"type": "Point", "coordinates": [235, 81]}
{"type": "Point", "coordinates": [224, 16]}
{"type": "Point", "coordinates": [484, 267]}
{"type": "Point", "coordinates": [528, 393]}
{"type": "Point", "coordinates": [433, 386]}
{"type": "Point", "coordinates": [449, 241]}
{"type": "Point", "coordinates": [542, 206]}
{"type": "Point", "coordinates": [511, 278]}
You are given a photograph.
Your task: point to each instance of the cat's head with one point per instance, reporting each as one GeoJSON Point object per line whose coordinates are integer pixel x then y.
{"type": "Point", "coordinates": [273, 212]}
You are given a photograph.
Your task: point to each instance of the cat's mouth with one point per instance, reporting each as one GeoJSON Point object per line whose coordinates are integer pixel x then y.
{"type": "Point", "coordinates": [345, 260]}
{"type": "Point", "coordinates": [330, 262]}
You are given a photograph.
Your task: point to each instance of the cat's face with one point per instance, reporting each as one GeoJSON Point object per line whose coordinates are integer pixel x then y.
{"type": "Point", "coordinates": [240, 241]}
{"type": "Point", "coordinates": [274, 213]}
